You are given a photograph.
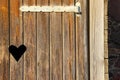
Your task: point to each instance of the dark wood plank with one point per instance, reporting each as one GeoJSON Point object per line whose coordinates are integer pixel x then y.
{"type": "Point", "coordinates": [82, 43]}
{"type": "Point", "coordinates": [43, 43]}
{"type": "Point", "coordinates": [4, 40]}
{"type": "Point", "coordinates": [69, 43]}
{"type": "Point", "coordinates": [56, 43]}
{"type": "Point", "coordinates": [16, 68]}
{"type": "Point", "coordinates": [30, 58]}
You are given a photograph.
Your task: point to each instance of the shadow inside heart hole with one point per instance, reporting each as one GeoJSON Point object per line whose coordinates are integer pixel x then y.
{"type": "Point", "coordinates": [17, 52]}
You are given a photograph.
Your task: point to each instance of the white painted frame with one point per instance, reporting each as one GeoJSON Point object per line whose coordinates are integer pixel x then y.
{"type": "Point", "coordinates": [96, 21]}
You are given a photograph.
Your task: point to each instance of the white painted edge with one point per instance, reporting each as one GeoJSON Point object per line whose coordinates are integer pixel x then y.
{"type": "Point", "coordinates": [75, 9]}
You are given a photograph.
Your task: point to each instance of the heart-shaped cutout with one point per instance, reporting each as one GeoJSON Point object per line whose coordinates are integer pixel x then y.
{"type": "Point", "coordinates": [17, 52]}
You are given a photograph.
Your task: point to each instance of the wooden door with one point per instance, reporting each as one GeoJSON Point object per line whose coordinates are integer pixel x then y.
{"type": "Point", "coordinates": [57, 43]}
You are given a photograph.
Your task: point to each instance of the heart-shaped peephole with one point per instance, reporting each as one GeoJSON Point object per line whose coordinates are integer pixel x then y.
{"type": "Point", "coordinates": [17, 52]}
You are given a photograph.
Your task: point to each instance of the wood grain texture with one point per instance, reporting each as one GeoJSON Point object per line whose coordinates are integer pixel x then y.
{"type": "Point", "coordinates": [68, 43]}
{"type": "Point", "coordinates": [106, 38]}
{"type": "Point", "coordinates": [96, 39]}
{"type": "Point", "coordinates": [106, 14]}
{"type": "Point", "coordinates": [57, 47]}
{"type": "Point", "coordinates": [82, 72]}
{"type": "Point", "coordinates": [4, 40]}
{"type": "Point", "coordinates": [106, 76]}
{"type": "Point", "coordinates": [106, 66]}
{"type": "Point", "coordinates": [106, 28]}
{"type": "Point", "coordinates": [106, 44]}
{"type": "Point", "coordinates": [30, 58]}
{"type": "Point", "coordinates": [16, 68]}
{"type": "Point", "coordinates": [56, 44]}
{"type": "Point", "coordinates": [43, 43]}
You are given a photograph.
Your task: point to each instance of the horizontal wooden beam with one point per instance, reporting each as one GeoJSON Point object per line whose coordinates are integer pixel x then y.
{"type": "Point", "coordinates": [75, 8]}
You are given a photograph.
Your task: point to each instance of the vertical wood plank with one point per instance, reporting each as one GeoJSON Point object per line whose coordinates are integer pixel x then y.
{"type": "Point", "coordinates": [106, 66]}
{"type": "Point", "coordinates": [30, 58]}
{"type": "Point", "coordinates": [43, 42]}
{"type": "Point", "coordinates": [106, 44]}
{"type": "Point", "coordinates": [106, 14]}
{"type": "Point", "coordinates": [68, 43]}
{"type": "Point", "coordinates": [56, 43]}
{"type": "Point", "coordinates": [80, 67]}
{"type": "Point", "coordinates": [106, 76]}
{"type": "Point", "coordinates": [96, 39]}
{"type": "Point", "coordinates": [106, 28]}
{"type": "Point", "coordinates": [4, 40]}
{"type": "Point", "coordinates": [82, 72]}
{"type": "Point", "coordinates": [106, 38]}
{"type": "Point", "coordinates": [16, 68]}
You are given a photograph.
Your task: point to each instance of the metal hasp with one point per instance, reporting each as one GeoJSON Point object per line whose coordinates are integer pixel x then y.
{"type": "Point", "coordinates": [75, 8]}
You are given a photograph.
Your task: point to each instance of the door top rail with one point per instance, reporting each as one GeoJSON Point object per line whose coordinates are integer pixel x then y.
{"type": "Point", "coordinates": [75, 8]}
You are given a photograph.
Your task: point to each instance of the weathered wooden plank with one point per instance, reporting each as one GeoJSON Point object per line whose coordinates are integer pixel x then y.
{"type": "Point", "coordinates": [96, 39]}
{"type": "Point", "coordinates": [56, 43]}
{"type": "Point", "coordinates": [16, 68]}
{"type": "Point", "coordinates": [106, 66]}
{"type": "Point", "coordinates": [80, 69]}
{"type": "Point", "coordinates": [43, 42]}
{"type": "Point", "coordinates": [106, 38]}
{"type": "Point", "coordinates": [105, 43]}
{"type": "Point", "coordinates": [106, 76]}
{"type": "Point", "coordinates": [4, 40]}
{"type": "Point", "coordinates": [68, 43]}
{"type": "Point", "coordinates": [106, 28]}
{"type": "Point", "coordinates": [30, 58]}
{"type": "Point", "coordinates": [106, 14]}
{"type": "Point", "coordinates": [82, 42]}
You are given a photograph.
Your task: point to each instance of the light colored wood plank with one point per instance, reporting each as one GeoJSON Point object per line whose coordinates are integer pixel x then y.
{"type": "Point", "coordinates": [30, 58]}
{"type": "Point", "coordinates": [68, 43]}
{"type": "Point", "coordinates": [105, 43]}
{"type": "Point", "coordinates": [16, 68]}
{"type": "Point", "coordinates": [106, 66]}
{"type": "Point", "coordinates": [96, 8]}
{"type": "Point", "coordinates": [106, 38]}
{"type": "Point", "coordinates": [82, 43]}
{"type": "Point", "coordinates": [106, 28]}
{"type": "Point", "coordinates": [43, 42]}
{"type": "Point", "coordinates": [56, 44]}
{"type": "Point", "coordinates": [4, 40]}
{"type": "Point", "coordinates": [106, 76]}
{"type": "Point", "coordinates": [106, 14]}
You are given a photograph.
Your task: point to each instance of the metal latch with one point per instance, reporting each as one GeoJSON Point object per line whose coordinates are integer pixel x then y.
{"type": "Point", "coordinates": [75, 8]}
